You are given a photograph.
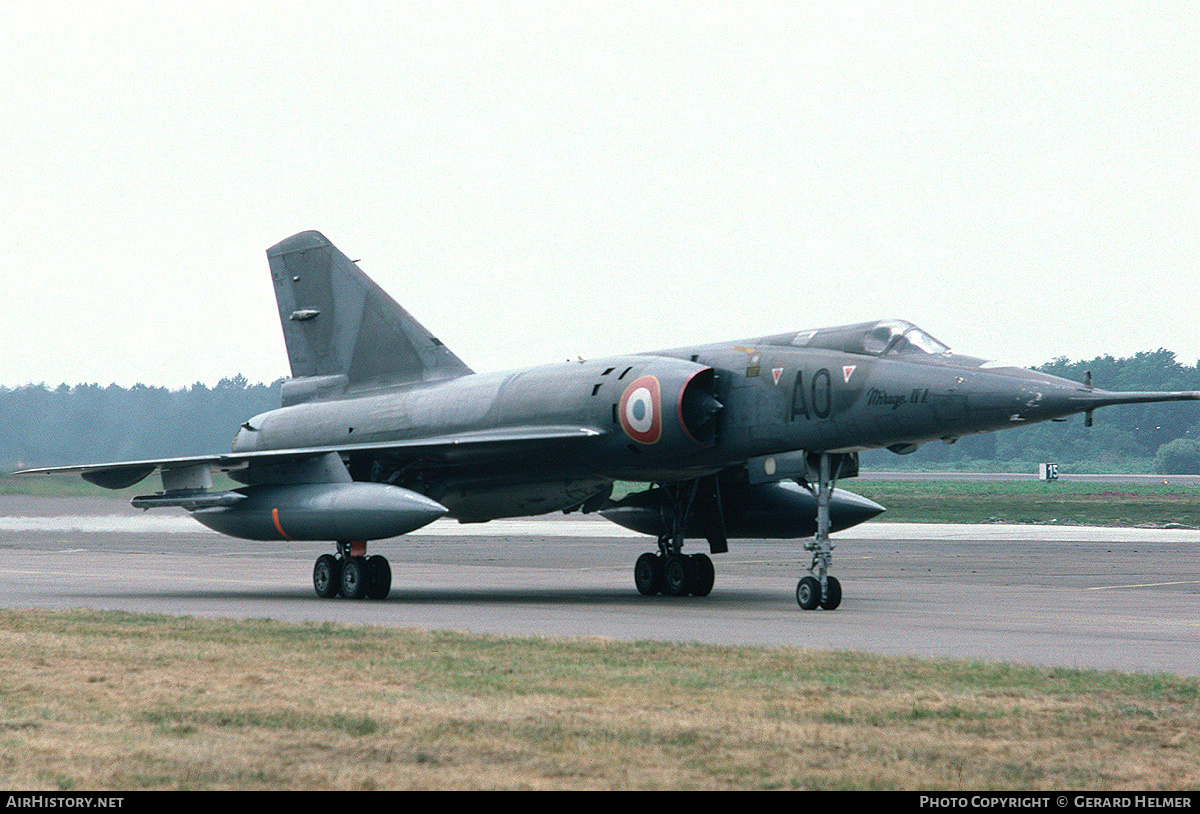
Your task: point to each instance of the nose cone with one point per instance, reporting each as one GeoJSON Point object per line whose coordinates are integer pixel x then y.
{"type": "Point", "coordinates": [1029, 396]}
{"type": "Point", "coordinates": [847, 509]}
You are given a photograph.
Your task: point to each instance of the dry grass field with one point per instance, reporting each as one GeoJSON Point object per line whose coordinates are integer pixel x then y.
{"type": "Point", "coordinates": [118, 701]}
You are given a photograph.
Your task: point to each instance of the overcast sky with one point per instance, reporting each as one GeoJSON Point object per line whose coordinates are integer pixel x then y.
{"type": "Point", "coordinates": [543, 181]}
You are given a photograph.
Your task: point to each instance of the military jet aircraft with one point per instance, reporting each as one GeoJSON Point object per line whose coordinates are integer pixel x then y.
{"type": "Point", "coordinates": [383, 429]}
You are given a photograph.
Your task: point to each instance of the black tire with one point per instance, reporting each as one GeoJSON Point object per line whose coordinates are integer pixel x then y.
{"type": "Point", "coordinates": [648, 574]}
{"type": "Point", "coordinates": [677, 576]}
{"type": "Point", "coordinates": [327, 576]}
{"type": "Point", "coordinates": [704, 575]}
{"type": "Point", "coordinates": [833, 594]}
{"type": "Point", "coordinates": [379, 581]}
{"type": "Point", "coordinates": [808, 593]}
{"type": "Point", "coordinates": [355, 578]}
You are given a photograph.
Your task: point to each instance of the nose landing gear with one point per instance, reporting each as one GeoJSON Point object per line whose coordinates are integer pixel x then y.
{"type": "Point", "coordinates": [819, 589]}
{"type": "Point", "coordinates": [810, 596]}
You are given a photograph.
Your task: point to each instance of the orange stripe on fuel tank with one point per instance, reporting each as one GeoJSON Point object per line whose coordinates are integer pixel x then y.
{"type": "Point", "coordinates": [278, 528]}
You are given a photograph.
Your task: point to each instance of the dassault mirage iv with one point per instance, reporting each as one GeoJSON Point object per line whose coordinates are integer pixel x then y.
{"type": "Point", "coordinates": [382, 430]}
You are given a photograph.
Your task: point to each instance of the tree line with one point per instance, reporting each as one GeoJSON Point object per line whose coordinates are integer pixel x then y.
{"type": "Point", "coordinates": [43, 426]}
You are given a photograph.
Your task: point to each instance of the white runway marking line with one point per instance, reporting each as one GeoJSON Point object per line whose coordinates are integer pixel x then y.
{"type": "Point", "coordinates": [598, 527]}
{"type": "Point", "coordinates": [1142, 585]}
{"type": "Point", "coordinates": [105, 575]}
{"type": "Point", "coordinates": [108, 523]}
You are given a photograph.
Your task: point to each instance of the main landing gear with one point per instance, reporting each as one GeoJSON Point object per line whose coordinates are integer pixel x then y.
{"type": "Point", "coordinates": [818, 589]}
{"type": "Point", "coordinates": [671, 572]}
{"type": "Point", "coordinates": [674, 574]}
{"type": "Point", "coordinates": [352, 574]}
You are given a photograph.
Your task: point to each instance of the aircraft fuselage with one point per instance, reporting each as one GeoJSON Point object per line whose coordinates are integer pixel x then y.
{"type": "Point", "coordinates": [666, 416]}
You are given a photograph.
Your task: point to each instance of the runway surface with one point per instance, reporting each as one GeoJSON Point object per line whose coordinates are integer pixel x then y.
{"type": "Point", "coordinates": [1126, 599]}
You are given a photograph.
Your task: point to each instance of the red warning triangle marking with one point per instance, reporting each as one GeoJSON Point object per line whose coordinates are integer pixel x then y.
{"type": "Point", "coordinates": [776, 372]}
{"type": "Point", "coordinates": [846, 371]}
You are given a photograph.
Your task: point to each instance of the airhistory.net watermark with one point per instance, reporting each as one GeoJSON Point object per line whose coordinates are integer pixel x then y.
{"type": "Point", "coordinates": [61, 801]}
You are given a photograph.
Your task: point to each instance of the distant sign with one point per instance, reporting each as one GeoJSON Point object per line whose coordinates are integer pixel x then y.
{"type": "Point", "coordinates": [1048, 471]}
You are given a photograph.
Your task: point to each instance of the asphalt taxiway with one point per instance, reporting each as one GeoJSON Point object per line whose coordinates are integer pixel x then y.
{"type": "Point", "coordinates": [1126, 599]}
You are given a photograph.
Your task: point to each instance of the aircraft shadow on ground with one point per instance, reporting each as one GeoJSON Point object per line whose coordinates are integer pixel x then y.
{"type": "Point", "coordinates": [458, 596]}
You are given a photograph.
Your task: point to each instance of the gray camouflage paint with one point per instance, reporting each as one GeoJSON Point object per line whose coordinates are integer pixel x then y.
{"type": "Point", "coordinates": [397, 407]}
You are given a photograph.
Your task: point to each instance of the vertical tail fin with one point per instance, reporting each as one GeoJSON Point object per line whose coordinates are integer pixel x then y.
{"type": "Point", "coordinates": [341, 329]}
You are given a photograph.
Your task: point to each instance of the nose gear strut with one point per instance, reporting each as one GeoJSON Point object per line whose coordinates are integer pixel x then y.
{"type": "Point", "coordinates": [818, 588]}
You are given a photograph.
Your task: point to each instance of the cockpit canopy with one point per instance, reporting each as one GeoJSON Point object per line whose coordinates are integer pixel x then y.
{"type": "Point", "coordinates": [883, 338]}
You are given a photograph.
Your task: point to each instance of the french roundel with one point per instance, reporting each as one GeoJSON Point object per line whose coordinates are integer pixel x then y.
{"type": "Point", "coordinates": [640, 410]}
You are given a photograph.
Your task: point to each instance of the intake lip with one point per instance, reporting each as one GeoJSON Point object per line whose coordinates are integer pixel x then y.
{"type": "Point", "coordinates": [698, 407]}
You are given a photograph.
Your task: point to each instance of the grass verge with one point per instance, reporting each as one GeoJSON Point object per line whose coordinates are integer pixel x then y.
{"type": "Point", "coordinates": [1063, 502]}
{"type": "Point", "coordinates": [113, 700]}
